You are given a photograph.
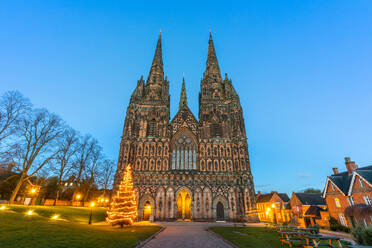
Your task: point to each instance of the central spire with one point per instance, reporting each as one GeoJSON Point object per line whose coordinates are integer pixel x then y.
{"type": "Point", "coordinates": [156, 74]}
{"type": "Point", "coordinates": [183, 98]}
{"type": "Point", "coordinates": [212, 70]}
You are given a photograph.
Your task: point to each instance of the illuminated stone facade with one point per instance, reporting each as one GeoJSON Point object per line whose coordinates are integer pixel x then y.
{"type": "Point", "coordinates": [186, 168]}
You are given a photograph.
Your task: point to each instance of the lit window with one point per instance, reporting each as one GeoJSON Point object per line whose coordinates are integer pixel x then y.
{"type": "Point", "coordinates": [367, 200]}
{"type": "Point", "coordinates": [342, 219]}
{"type": "Point", "coordinates": [351, 201]}
{"type": "Point", "coordinates": [337, 201]}
{"type": "Point", "coordinates": [361, 182]}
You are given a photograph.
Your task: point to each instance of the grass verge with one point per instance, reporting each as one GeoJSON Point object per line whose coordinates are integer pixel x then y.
{"type": "Point", "coordinates": [38, 231]}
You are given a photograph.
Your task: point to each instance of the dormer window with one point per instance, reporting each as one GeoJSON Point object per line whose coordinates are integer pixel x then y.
{"type": "Point", "coordinates": [333, 187]}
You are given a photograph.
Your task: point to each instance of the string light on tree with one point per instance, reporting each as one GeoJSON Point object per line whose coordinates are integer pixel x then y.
{"type": "Point", "coordinates": [123, 208]}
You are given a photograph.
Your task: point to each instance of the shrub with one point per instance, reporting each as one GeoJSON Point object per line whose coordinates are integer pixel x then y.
{"type": "Point", "coordinates": [335, 226]}
{"type": "Point", "coordinates": [367, 235]}
{"type": "Point", "coordinates": [358, 234]}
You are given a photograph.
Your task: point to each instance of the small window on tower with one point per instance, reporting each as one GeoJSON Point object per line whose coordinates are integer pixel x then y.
{"type": "Point", "coordinates": [216, 130]}
{"type": "Point", "coordinates": [151, 128]}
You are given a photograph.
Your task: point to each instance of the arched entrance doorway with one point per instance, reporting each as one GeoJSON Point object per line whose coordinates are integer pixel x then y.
{"type": "Point", "coordinates": [183, 205]}
{"type": "Point", "coordinates": [220, 211]}
{"type": "Point", "coordinates": [147, 211]}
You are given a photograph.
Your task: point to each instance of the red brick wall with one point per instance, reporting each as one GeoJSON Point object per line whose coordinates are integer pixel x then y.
{"type": "Point", "coordinates": [331, 204]}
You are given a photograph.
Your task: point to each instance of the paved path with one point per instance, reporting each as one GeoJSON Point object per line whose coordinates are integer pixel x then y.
{"type": "Point", "coordinates": [188, 235]}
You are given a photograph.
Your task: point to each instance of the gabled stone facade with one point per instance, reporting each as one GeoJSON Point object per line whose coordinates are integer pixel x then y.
{"type": "Point", "coordinates": [188, 168]}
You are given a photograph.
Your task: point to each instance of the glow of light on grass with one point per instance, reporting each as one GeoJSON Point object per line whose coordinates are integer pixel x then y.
{"type": "Point", "coordinates": [55, 217]}
{"type": "Point", "coordinates": [2, 207]}
{"type": "Point", "coordinates": [30, 212]}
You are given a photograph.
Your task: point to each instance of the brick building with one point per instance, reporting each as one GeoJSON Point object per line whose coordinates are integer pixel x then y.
{"type": "Point", "coordinates": [273, 207]}
{"type": "Point", "coordinates": [309, 209]}
{"type": "Point", "coordinates": [348, 195]}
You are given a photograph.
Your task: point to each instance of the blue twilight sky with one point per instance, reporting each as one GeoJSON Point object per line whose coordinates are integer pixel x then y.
{"type": "Point", "coordinates": [302, 69]}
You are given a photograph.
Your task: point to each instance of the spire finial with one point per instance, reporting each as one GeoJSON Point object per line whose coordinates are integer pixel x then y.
{"type": "Point", "coordinates": [212, 70]}
{"type": "Point", "coordinates": [156, 74]}
{"type": "Point", "coordinates": [183, 98]}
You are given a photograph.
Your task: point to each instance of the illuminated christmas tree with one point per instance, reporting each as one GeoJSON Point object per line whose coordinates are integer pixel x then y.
{"type": "Point", "coordinates": [123, 208]}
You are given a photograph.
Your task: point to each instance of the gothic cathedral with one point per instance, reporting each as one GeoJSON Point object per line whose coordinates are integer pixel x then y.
{"type": "Point", "coordinates": [185, 168]}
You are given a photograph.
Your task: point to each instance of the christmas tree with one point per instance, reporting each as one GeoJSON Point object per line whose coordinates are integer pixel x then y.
{"type": "Point", "coordinates": [123, 208]}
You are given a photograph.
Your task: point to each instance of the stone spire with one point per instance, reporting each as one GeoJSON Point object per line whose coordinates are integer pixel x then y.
{"type": "Point", "coordinates": [212, 70]}
{"type": "Point", "coordinates": [156, 74]}
{"type": "Point", "coordinates": [183, 98]}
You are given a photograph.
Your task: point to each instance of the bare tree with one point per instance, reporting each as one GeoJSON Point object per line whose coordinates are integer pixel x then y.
{"type": "Point", "coordinates": [37, 144]}
{"type": "Point", "coordinates": [83, 157]}
{"type": "Point", "coordinates": [13, 108]}
{"type": "Point", "coordinates": [67, 148]}
{"type": "Point", "coordinates": [106, 174]}
{"type": "Point", "coordinates": [92, 167]}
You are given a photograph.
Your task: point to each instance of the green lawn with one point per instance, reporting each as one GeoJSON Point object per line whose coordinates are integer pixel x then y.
{"type": "Point", "coordinates": [73, 214]}
{"type": "Point", "coordinates": [249, 236]}
{"type": "Point", "coordinates": [37, 231]}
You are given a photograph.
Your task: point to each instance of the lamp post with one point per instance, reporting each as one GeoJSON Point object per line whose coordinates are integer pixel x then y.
{"type": "Point", "coordinates": [34, 192]}
{"type": "Point", "coordinates": [91, 213]}
{"type": "Point", "coordinates": [274, 214]}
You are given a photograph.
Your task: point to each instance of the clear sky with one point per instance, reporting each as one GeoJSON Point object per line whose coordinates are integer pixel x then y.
{"type": "Point", "coordinates": [302, 69]}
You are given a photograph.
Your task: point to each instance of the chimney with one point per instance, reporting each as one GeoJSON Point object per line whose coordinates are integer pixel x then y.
{"type": "Point", "coordinates": [335, 170]}
{"type": "Point", "coordinates": [350, 165]}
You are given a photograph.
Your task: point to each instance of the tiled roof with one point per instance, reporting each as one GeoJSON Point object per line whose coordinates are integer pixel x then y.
{"type": "Point", "coordinates": [267, 197]}
{"type": "Point", "coordinates": [314, 211]}
{"type": "Point", "coordinates": [343, 179]}
{"type": "Point", "coordinates": [264, 197]}
{"type": "Point", "coordinates": [311, 198]}
{"type": "Point", "coordinates": [284, 197]}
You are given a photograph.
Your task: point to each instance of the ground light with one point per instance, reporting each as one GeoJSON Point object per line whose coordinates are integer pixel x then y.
{"type": "Point", "coordinates": [55, 217]}
{"type": "Point", "coordinates": [2, 207]}
{"type": "Point", "coordinates": [30, 212]}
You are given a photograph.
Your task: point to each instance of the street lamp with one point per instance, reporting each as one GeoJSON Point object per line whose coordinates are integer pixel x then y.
{"type": "Point", "coordinates": [78, 196]}
{"type": "Point", "coordinates": [91, 212]}
{"type": "Point", "coordinates": [274, 214]}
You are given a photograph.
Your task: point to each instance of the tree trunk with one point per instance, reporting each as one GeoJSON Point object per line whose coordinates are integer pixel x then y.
{"type": "Point", "coordinates": [57, 195]}
{"type": "Point", "coordinates": [15, 191]}
{"type": "Point", "coordinates": [58, 190]}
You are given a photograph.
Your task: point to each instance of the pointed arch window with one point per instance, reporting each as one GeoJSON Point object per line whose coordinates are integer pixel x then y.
{"type": "Point", "coordinates": [184, 153]}
{"type": "Point", "coordinates": [151, 128]}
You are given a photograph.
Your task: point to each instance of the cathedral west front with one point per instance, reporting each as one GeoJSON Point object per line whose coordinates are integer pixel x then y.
{"type": "Point", "coordinates": [186, 168]}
